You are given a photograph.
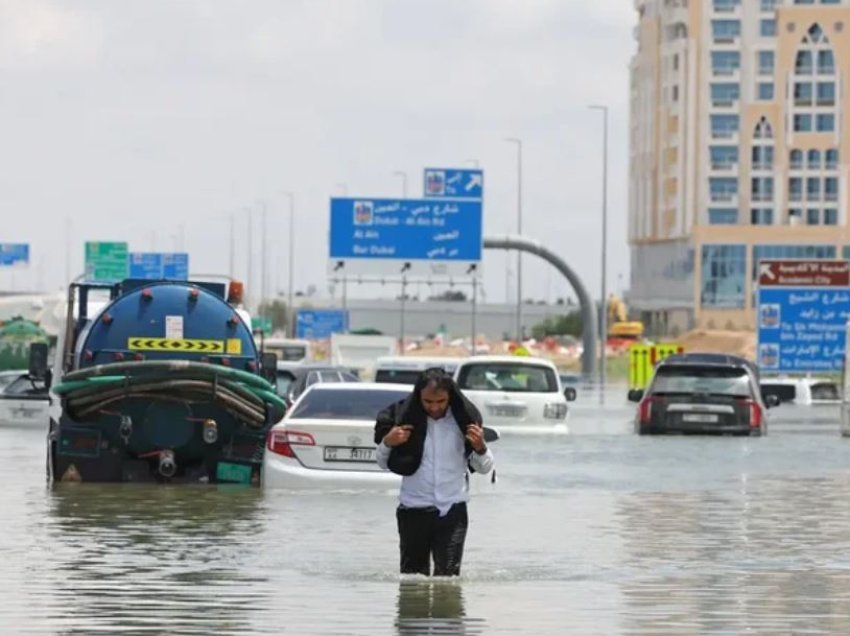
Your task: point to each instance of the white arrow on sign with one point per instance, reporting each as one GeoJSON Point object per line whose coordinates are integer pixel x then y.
{"type": "Point", "coordinates": [767, 271]}
{"type": "Point", "coordinates": [475, 181]}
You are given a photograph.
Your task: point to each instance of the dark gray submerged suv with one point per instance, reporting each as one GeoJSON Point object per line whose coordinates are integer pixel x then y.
{"type": "Point", "coordinates": [702, 393]}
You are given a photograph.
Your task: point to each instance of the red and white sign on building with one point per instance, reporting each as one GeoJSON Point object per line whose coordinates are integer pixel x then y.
{"type": "Point", "coordinates": [804, 273]}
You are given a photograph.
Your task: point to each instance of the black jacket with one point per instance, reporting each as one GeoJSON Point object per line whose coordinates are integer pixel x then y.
{"type": "Point", "coordinates": [405, 459]}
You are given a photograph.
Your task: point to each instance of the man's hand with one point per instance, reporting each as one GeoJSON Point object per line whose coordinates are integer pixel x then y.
{"type": "Point", "coordinates": [475, 436]}
{"type": "Point", "coordinates": [398, 435]}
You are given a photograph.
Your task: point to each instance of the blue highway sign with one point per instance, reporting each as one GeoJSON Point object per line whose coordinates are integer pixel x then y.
{"type": "Point", "coordinates": [159, 266]}
{"type": "Point", "coordinates": [147, 266]}
{"type": "Point", "coordinates": [405, 229]}
{"type": "Point", "coordinates": [320, 324]}
{"type": "Point", "coordinates": [450, 183]}
{"type": "Point", "coordinates": [175, 266]}
{"type": "Point", "coordinates": [14, 253]}
{"type": "Point", "coordinates": [803, 311]}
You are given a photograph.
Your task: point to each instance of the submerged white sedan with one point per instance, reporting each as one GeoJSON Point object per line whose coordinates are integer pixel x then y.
{"type": "Point", "coordinates": [23, 402]}
{"type": "Point", "coordinates": [326, 438]}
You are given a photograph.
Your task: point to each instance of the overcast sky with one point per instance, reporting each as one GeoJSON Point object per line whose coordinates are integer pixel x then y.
{"type": "Point", "coordinates": [135, 118]}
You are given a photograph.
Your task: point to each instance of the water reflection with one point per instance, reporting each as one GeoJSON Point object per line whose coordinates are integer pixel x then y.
{"type": "Point", "coordinates": [433, 606]}
{"type": "Point", "coordinates": [769, 557]}
{"type": "Point", "coordinates": [138, 559]}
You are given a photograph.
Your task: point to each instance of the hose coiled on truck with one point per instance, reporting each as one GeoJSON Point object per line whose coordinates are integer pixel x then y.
{"type": "Point", "coordinates": [244, 395]}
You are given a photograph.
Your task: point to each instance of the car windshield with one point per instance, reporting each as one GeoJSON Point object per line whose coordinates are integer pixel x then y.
{"type": "Point", "coordinates": [727, 381]}
{"type": "Point", "coordinates": [24, 387]}
{"type": "Point", "coordinates": [7, 378]}
{"type": "Point", "coordinates": [345, 404]}
{"type": "Point", "coordinates": [397, 376]}
{"type": "Point", "coordinates": [508, 376]}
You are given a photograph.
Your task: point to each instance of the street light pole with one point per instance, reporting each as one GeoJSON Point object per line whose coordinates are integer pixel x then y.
{"type": "Point", "coordinates": [604, 291]}
{"type": "Point", "coordinates": [263, 285]}
{"type": "Point", "coordinates": [250, 256]}
{"type": "Point", "coordinates": [472, 272]}
{"type": "Point", "coordinates": [403, 305]}
{"type": "Point", "coordinates": [403, 175]}
{"type": "Point", "coordinates": [518, 143]}
{"type": "Point", "coordinates": [289, 297]}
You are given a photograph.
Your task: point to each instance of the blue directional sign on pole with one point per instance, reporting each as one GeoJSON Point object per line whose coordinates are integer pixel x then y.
{"type": "Point", "coordinates": [175, 266]}
{"type": "Point", "coordinates": [14, 254]}
{"type": "Point", "coordinates": [320, 324]}
{"type": "Point", "coordinates": [146, 265]}
{"type": "Point", "coordinates": [158, 266]}
{"type": "Point", "coordinates": [405, 236]}
{"type": "Point", "coordinates": [803, 311]}
{"type": "Point", "coordinates": [451, 183]}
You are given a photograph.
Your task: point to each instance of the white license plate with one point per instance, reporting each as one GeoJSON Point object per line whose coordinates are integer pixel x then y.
{"type": "Point", "coordinates": [699, 417]}
{"type": "Point", "coordinates": [349, 454]}
{"type": "Point", "coordinates": [506, 410]}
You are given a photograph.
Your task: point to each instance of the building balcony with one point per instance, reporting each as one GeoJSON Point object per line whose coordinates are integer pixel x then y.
{"type": "Point", "coordinates": [729, 135]}
{"type": "Point", "coordinates": [830, 196]}
{"type": "Point", "coordinates": [762, 197]}
{"type": "Point", "coordinates": [723, 166]}
{"type": "Point", "coordinates": [762, 167]}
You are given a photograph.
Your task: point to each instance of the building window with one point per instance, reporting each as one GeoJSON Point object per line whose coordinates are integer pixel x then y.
{"type": "Point", "coordinates": [762, 188]}
{"type": "Point", "coordinates": [826, 94]}
{"type": "Point", "coordinates": [813, 217]}
{"type": "Point", "coordinates": [768, 5]}
{"type": "Point", "coordinates": [796, 159]}
{"type": "Point", "coordinates": [825, 122]}
{"type": "Point", "coordinates": [765, 91]}
{"type": "Point", "coordinates": [813, 160]}
{"type": "Point", "coordinates": [725, 62]}
{"type": "Point", "coordinates": [725, 5]}
{"type": "Point", "coordinates": [795, 189]}
{"type": "Point", "coordinates": [826, 62]}
{"type": "Point", "coordinates": [723, 188]}
{"type": "Point", "coordinates": [725, 30]}
{"type": "Point", "coordinates": [763, 129]}
{"type": "Point", "coordinates": [724, 94]}
{"type": "Point", "coordinates": [723, 157]}
{"type": "Point", "coordinates": [802, 93]}
{"type": "Point", "coordinates": [761, 216]}
{"type": "Point", "coordinates": [813, 189]}
{"type": "Point", "coordinates": [830, 217]}
{"type": "Point", "coordinates": [803, 64]}
{"type": "Point", "coordinates": [765, 62]}
{"type": "Point", "coordinates": [762, 157]}
{"type": "Point", "coordinates": [768, 28]}
{"type": "Point", "coordinates": [831, 159]}
{"type": "Point", "coordinates": [830, 189]}
{"type": "Point", "coordinates": [795, 215]}
{"type": "Point", "coordinates": [802, 123]}
{"type": "Point", "coordinates": [723, 268]}
{"type": "Point", "coordinates": [722, 216]}
{"type": "Point", "coordinates": [724, 126]}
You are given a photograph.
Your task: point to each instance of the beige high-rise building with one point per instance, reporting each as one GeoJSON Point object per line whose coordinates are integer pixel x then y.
{"type": "Point", "coordinates": [740, 141]}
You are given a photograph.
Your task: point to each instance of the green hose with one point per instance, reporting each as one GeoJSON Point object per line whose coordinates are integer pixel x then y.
{"type": "Point", "coordinates": [244, 392]}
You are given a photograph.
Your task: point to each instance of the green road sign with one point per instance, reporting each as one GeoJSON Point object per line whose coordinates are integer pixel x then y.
{"type": "Point", "coordinates": [107, 261]}
{"type": "Point", "coordinates": [261, 323]}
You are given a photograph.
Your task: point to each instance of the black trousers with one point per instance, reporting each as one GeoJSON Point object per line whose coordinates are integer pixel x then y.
{"type": "Point", "coordinates": [423, 533]}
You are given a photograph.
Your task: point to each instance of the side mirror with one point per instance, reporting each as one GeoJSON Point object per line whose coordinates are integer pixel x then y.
{"type": "Point", "coordinates": [570, 394]}
{"type": "Point", "coordinates": [771, 400]}
{"type": "Point", "coordinates": [635, 395]}
{"type": "Point", "coordinates": [491, 434]}
{"type": "Point", "coordinates": [268, 366]}
{"type": "Point", "coordinates": [38, 361]}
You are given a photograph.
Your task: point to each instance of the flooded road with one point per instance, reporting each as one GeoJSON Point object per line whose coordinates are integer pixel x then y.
{"type": "Point", "coordinates": [594, 532]}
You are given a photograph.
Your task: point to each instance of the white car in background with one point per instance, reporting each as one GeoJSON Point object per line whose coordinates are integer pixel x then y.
{"type": "Point", "coordinates": [515, 393]}
{"type": "Point", "coordinates": [326, 438]}
{"type": "Point", "coordinates": [23, 402]}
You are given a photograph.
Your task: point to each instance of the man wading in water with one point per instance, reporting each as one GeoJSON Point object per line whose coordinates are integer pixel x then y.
{"type": "Point", "coordinates": [430, 438]}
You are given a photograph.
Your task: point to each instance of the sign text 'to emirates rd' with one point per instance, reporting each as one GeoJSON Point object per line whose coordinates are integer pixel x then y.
{"type": "Point", "coordinates": [803, 311]}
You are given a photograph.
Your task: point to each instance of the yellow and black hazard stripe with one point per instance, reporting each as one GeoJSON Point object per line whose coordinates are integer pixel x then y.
{"type": "Point", "coordinates": [175, 345]}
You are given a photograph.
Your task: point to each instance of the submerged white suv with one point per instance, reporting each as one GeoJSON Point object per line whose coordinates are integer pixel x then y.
{"type": "Point", "coordinates": [515, 392]}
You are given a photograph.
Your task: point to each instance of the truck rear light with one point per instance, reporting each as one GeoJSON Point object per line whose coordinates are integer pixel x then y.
{"type": "Point", "coordinates": [645, 409]}
{"type": "Point", "coordinates": [756, 415]}
{"type": "Point", "coordinates": [281, 442]}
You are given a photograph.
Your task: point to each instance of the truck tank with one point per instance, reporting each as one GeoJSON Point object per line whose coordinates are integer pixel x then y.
{"type": "Point", "coordinates": [161, 384]}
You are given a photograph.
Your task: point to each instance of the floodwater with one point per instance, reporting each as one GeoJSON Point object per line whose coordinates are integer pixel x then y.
{"type": "Point", "coordinates": [593, 532]}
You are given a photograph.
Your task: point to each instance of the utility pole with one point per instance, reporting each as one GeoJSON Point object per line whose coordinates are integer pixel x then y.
{"type": "Point", "coordinates": [518, 143]}
{"type": "Point", "coordinates": [604, 291]}
{"type": "Point", "coordinates": [263, 285]}
{"type": "Point", "coordinates": [250, 257]}
{"type": "Point", "coordinates": [290, 309]}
